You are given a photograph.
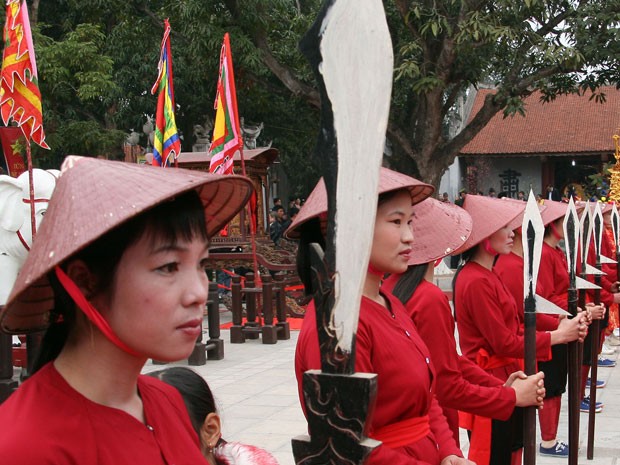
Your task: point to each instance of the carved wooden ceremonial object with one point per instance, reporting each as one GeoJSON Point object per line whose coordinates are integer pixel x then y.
{"type": "Point", "coordinates": [350, 52]}
{"type": "Point", "coordinates": [336, 405]}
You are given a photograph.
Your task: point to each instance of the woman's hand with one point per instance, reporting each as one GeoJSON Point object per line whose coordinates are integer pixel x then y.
{"type": "Point", "coordinates": [570, 330]}
{"type": "Point", "coordinates": [529, 390]}
{"type": "Point", "coordinates": [456, 460]}
{"type": "Point", "coordinates": [597, 311]}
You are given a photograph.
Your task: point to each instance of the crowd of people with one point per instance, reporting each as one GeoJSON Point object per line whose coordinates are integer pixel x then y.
{"type": "Point", "coordinates": [123, 283]}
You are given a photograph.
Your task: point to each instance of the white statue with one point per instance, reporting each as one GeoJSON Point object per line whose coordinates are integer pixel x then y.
{"type": "Point", "coordinates": [250, 134]}
{"type": "Point", "coordinates": [15, 222]}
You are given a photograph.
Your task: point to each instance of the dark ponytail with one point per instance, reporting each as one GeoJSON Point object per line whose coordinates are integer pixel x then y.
{"type": "Point", "coordinates": [409, 282]}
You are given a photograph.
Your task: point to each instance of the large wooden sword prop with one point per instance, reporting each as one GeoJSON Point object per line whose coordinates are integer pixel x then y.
{"type": "Point", "coordinates": [350, 51]}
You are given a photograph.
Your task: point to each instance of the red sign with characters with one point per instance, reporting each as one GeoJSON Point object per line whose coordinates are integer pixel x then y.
{"type": "Point", "coordinates": [10, 138]}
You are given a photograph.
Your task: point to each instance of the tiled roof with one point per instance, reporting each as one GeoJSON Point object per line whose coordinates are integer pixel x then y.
{"type": "Point", "coordinates": [569, 124]}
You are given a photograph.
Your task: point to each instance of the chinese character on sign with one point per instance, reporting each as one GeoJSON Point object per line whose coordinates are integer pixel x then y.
{"type": "Point", "coordinates": [510, 182]}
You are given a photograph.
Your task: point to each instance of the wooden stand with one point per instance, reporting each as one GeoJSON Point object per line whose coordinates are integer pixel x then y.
{"type": "Point", "coordinates": [253, 328]}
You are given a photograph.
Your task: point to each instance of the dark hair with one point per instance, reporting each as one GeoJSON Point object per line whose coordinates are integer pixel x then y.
{"type": "Point", "coordinates": [409, 282]}
{"type": "Point", "coordinates": [179, 218]}
{"type": "Point", "coordinates": [309, 233]}
{"type": "Point", "coordinates": [194, 390]}
{"type": "Point", "coordinates": [465, 258]}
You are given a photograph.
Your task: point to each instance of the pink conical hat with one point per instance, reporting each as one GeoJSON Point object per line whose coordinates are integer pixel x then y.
{"type": "Point", "coordinates": [316, 204]}
{"type": "Point", "coordinates": [91, 198]}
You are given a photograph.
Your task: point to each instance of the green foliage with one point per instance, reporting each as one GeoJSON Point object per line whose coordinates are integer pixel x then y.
{"type": "Point", "coordinates": [98, 60]}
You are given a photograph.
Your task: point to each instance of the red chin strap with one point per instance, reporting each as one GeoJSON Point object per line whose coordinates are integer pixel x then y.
{"type": "Point", "coordinates": [375, 271]}
{"type": "Point", "coordinates": [555, 231]}
{"type": "Point", "coordinates": [489, 248]}
{"type": "Point", "coordinates": [91, 312]}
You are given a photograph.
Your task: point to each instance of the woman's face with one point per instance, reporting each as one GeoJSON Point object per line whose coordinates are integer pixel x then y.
{"type": "Point", "coordinates": [501, 241]}
{"type": "Point", "coordinates": [158, 297]}
{"type": "Point", "coordinates": [393, 236]}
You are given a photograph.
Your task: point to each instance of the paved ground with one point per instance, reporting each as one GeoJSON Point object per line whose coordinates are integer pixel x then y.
{"type": "Point", "coordinates": [256, 392]}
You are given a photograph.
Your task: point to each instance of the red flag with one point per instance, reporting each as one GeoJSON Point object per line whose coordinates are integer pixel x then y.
{"type": "Point", "coordinates": [167, 145]}
{"type": "Point", "coordinates": [20, 98]}
{"type": "Point", "coordinates": [226, 131]}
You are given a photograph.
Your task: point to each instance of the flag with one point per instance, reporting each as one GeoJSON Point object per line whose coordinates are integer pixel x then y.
{"type": "Point", "coordinates": [226, 131]}
{"type": "Point", "coordinates": [167, 145]}
{"type": "Point", "coordinates": [20, 98]}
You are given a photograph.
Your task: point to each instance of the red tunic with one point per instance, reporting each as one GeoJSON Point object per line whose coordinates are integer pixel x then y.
{"type": "Point", "coordinates": [46, 421]}
{"type": "Point", "coordinates": [509, 268]}
{"type": "Point", "coordinates": [487, 318]}
{"type": "Point", "coordinates": [461, 384]}
{"type": "Point", "coordinates": [388, 344]}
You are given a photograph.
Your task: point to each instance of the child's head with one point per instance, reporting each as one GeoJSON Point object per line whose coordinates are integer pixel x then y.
{"type": "Point", "coordinates": [199, 402]}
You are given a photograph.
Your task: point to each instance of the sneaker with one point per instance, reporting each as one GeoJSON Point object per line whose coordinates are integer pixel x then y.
{"type": "Point", "coordinates": [560, 449]}
{"type": "Point", "coordinates": [613, 340]}
{"type": "Point", "coordinates": [600, 384]}
{"type": "Point", "coordinates": [607, 350]}
{"type": "Point", "coordinates": [606, 363]}
{"type": "Point", "coordinates": [585, 405]}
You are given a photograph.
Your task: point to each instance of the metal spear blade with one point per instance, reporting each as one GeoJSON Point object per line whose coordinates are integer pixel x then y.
{"type": "Point", "coordinates": [597, 225]}
{"type": "Point", "coordinates": [546, 306]}
{"type": "Point", "coordinates": [585, 233]}
{"type": "Point", "coordinates": [594, 271]}
{"type": "Point", "coordinates": [615, 225]}
{"type": "Point", "coordinates": [571, 236]}
{"type": "Point", "coordinates": [585, 284]}
{"type": "Point", "coordinates": [533, 230]}
{"type": "Point", "coordinates": [607, 261]}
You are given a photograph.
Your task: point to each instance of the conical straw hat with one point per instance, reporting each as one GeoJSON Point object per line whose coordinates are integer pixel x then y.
{"type": "Point", "coordinates": [554, 210]}
{"type": "Point", "coordinates": [93, 197]}
{"type": "Point", "coordinates": [316, 204]}
{"type": "Point", "coordinates": [439, 228]}
{"type": "Point", "coordinates": [489, 215]}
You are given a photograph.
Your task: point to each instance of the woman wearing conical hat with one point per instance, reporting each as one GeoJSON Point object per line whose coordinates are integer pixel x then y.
{"type": "Point", "coordinates": [438, 230]}
{"type": "Point", "coordinates": [116, 275]}
{"type": "Point", "coordinates": [552, 285]}
{"type": "Point", "coordinates": [489, 326]}
{"type": "Point", "coordinates": [406, 417]}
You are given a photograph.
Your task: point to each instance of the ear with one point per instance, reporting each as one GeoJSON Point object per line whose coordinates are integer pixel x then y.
{"type": "Point", "coordinates": [211, 431]}
{"type": "Point", "coordinates": [81, 275]}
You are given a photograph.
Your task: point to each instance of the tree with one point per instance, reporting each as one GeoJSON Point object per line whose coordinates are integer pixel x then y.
{"type": "Point", "coordinates": [442, 48]}
{"type": "Point", "coordinates": [445, 47]}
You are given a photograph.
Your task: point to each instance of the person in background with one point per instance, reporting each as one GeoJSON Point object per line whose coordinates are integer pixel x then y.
{"type": "Point", "coordinates": [207, 423]}
{"type": "Point", "coordinates": [553, 194]}
{"type": "Point", "coordinates": [461, 384]}
{"type": "Point", "coordinates": [521, 196]}
{"type": "Point", "coordinates": [94, 279]}
{"type": "Point", "coordinates": [444, 197]}
{"type": "Point", "coordinates": [406, 417]}
{"type": "Point", "coordinates": [489, 325]}
{"type": "Point", "coordinates": [278, 225]}
{"type": "Point", "coordinates": [461, 198]}
{"type": "Point", "coordinates": [492, 192]}
{"type": "Point", "coordinates": [277, 202]}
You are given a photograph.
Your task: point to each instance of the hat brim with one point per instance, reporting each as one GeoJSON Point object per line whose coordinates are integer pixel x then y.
{"type": "Point", "coordinates": [439, 228]}
{"type": "Point", "coordinates": [389, 180]}
{"type": "Point", "coordinates": [110, 193]}
{"type": "Point", "coordinates": [489, 215]}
